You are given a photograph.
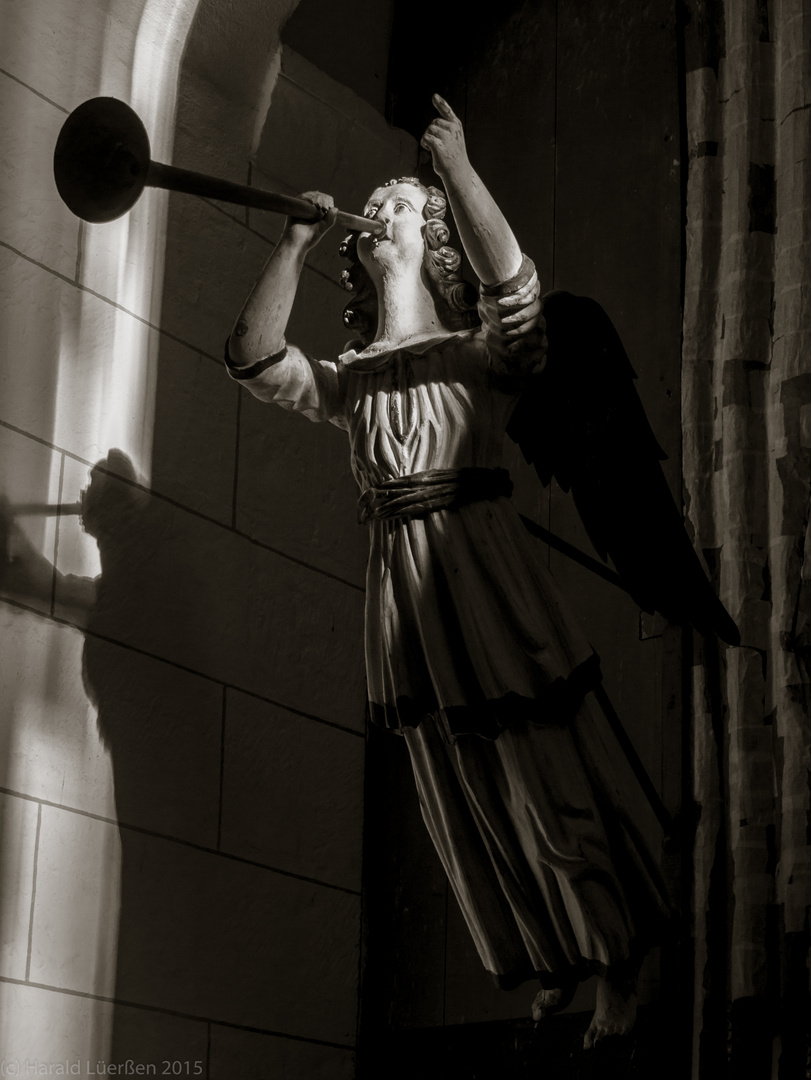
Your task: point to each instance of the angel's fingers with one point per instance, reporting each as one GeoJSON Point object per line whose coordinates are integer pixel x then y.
{"type": "Point", "coordinates": [529, 311]}
{"type": "Point", "coordinates": [537, 344]}
{"type": "Point", "coordinates": [432, 141]}
{"type": "Point", "coordinates": [519, 331]}
{"type": "Point", "coordinates": [440, 128]}
{"type": "Point", "coordinates": [518, 299]}
{"type": "Point", "coordinates": [529, 290]}
{"type": "Point", "coordinates": [319, 199]}
{"type": "Point", "coordinates": [443, 108]}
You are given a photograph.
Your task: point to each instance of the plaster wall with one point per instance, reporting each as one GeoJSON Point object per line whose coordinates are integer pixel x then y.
{"type": "Point", "coordinates": [182, 696]}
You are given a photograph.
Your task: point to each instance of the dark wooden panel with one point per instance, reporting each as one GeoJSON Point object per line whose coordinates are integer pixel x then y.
{"type": "Point", "coordinates": [618, 203]}
{"type": "Point", "coordinates": [507, 92]}
{"type": "Point", "coordinates": [405, 901]}
{"type": "Point", "coordinates": [510, 126]}
{"type": "Point", "coordinates": [617, 239]}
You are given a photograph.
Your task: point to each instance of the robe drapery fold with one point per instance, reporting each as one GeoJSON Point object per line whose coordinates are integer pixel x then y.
{"type": "Point", "coordinates": [553, 879]}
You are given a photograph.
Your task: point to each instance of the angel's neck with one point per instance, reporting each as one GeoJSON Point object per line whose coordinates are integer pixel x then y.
{"type": "Point", "coordinates": [406, 309]}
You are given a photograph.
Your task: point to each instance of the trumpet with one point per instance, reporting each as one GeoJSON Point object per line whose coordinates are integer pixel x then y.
{"type": "Point", "coordinates": [102, 164]}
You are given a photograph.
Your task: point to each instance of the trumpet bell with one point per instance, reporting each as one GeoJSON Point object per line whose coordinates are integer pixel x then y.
{"type": "Point", "coordinates": [101, 159]}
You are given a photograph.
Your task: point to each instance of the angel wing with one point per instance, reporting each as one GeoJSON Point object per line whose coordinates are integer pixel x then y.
{"type": "Point", "coordinates": [582, 422]}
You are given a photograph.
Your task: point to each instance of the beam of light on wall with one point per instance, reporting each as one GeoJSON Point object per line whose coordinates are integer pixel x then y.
{"type": "Point", "coordinates": [116, 348]}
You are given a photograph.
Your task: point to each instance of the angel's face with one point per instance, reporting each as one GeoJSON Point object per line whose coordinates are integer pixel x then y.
{"type": "Point", "coordinates": [400, 208]}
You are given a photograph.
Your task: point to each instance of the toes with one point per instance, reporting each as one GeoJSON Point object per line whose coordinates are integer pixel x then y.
{"type": "Point", "coordinates": [597, 1033]}
{"type": "Point", "coordinates": [546, 1002]}
{"type": "Point", "coordinates": [593, 1035]}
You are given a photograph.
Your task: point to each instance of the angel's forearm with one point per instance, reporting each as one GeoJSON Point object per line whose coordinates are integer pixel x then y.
{"type": "Point", "coordinates": [487, 238]}
{"type": "Point", "coordinates": [259, 329]}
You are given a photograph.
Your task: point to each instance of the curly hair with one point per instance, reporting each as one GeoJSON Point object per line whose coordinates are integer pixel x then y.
{"type": "Point", "coordinates": [455, 298]}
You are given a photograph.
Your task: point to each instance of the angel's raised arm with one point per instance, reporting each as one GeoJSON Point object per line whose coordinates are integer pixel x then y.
{"type": "Point", "coordinates": [487, 238]}
{"type": "Point", "coordinates": [258, 354]}
{"type": "Point", "coordinates": [259, 330]}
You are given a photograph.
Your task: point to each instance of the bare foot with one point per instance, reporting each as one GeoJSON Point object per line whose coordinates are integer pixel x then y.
{"type": "Point", "coordinates": [548, 1002]}
{"type": "Point", "coordinates": [615, 1013]}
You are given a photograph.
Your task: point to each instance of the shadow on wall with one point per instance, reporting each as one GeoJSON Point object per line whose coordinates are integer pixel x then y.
{"type": "Point", "coordinates": [156, 724]}
{"type": "Point", "coordinates": [220, 881]}
{"type": "Point", "coordinates": [121, 517]}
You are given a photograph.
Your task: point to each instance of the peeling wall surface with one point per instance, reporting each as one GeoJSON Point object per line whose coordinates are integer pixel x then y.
{"type": "Point", "coordinates": [182, 678]}
{"type": "Point", "coordinates": [747, 394]}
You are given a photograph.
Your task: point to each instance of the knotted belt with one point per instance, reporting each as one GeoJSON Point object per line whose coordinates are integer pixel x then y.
{"type": "Point", "coordinates": [436, 489]}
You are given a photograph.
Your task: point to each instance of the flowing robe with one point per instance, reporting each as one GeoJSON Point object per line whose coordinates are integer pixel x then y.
{"type": "Point", "coordinates": [471, 654]}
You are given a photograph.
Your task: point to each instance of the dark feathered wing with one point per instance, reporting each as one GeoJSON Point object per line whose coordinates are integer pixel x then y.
{"type": "Point", "coordinates": [582, 422]}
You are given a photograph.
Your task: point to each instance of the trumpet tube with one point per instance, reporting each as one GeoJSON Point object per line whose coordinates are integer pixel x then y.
{"type": "Point", "coordinates": [210, 187]}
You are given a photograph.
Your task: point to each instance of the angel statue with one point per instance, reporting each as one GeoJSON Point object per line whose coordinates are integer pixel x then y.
{"type": "Point", "coordinates": [471, 654]}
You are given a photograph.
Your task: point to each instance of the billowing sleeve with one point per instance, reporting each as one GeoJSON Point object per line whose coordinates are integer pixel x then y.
{"type": "Point", "coordinates": [295, 381]}
{"type": "Point", "coordinates": [512, 323]}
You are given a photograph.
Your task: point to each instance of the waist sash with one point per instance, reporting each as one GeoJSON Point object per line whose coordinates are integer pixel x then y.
{"type": "Point", "coordinates": [436, 489]}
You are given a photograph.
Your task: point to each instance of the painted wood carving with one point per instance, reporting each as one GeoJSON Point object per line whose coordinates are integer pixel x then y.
{"type": "Point", "coordinates": [471, 655]}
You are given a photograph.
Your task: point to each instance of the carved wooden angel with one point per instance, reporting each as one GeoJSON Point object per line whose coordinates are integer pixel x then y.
{"type": "Point", "coordinates": [471, 654]}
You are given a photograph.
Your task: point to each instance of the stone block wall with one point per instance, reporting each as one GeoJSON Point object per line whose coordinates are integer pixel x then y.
{"type": "Point", "coordinates": [182, 680]}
